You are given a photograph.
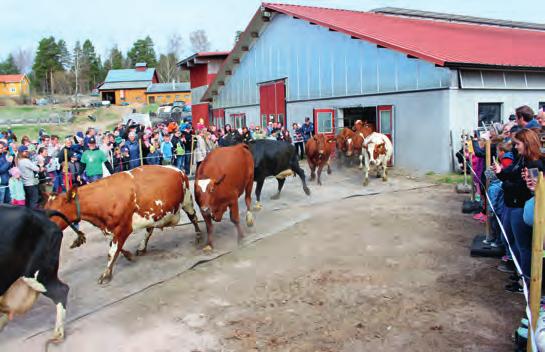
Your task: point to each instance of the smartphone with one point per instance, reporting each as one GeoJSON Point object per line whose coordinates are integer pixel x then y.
{"type": "Point", "coordinates": [533, 173]}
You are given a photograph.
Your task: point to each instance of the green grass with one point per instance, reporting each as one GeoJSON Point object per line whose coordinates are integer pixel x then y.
{"type": "Point", "coordinates": [450, 178]}
{"type": "Point", "coordinates": [146, 109]}
{"type": "Point", "coordinates": [28, 112]}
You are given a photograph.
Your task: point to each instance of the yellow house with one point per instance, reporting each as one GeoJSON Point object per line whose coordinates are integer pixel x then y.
{"type": "Point", "coordinates": [128, 86]}
{"type": "Point", "coordinates": [14, 85]}
{"type": "Point", "coordinates": [167, 93]}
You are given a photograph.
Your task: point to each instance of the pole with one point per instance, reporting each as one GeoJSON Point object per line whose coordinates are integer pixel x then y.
{"type": "Point", "coordinates": [141, 156]}
{"type": "Point", "coordinates": [191, 156]}
{"type": "Point", "coordinates": [66, 169]}
{"type": "Point", "coordinates": [488, 161]}
{"type": "Point", "coordinates": [537, 254]}
{"type": "Point", "coordinates": [464, 150]}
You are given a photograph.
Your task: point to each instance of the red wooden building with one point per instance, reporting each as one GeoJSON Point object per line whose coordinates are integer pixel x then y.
{"type": "Point", "coordinates": [202, 68]}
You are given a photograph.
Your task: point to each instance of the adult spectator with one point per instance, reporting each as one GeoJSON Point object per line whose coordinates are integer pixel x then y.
{"type": "Point", "coordinates": [186, 139]}
{"type": "Point", "coordinates": [246, 135]}
{"type": "Point", "coordinates": [525, 117]}
{"type": "Point", "coordinates": [541, 119]}
{"type": "Point", "coordinates": [259, 133]}
{"type": "Point", "coordinates": [307, 129]}
{"type": "Point", "coordinates": [298, 140]}
{"type": "Point", "coordinates": [6, 161]}
{"type": "Point", "coordinates": [92, 160]}
{"type": "Point", "coordinates": [134, 150]}
{"type": "Point", "coordinates": [29, 172]}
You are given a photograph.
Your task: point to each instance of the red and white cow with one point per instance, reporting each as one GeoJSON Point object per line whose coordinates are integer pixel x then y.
{"type": "Point", "coordinates": [221, 179]}
{"type": "Point", "coordinates": [377, 150]}
{"type": "Point", "coordinates": [318, 150]}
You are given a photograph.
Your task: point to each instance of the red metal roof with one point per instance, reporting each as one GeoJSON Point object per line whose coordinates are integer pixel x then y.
{"type": "Point", "coordinates": [11, 78]}
{"type": "Point", "coordinates": [439, 42]}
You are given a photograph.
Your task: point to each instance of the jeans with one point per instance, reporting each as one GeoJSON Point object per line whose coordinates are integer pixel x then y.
{"type": "Point", "coordinates": [300, 149]}
{"type": "Point", "coordinates": [506, 222]}
{"type": "Point", "coordinates": [32, 196]}
{"type": "Point", "coordinates": [93, 178]}
{"type": "Point", "coordinates": [4, 194]}
{"type": "Point", "coordinates": [179, 161]}
{"type": "Point", "coordinates": [187, 163]}
{"type": "Point", "coordinates": [523, 238]}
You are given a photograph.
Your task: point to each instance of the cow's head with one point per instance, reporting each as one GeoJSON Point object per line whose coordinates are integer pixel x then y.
{"type": "Point", "coordinates": [375, 150]}
{"type": "Point", "coordinates": [321, 145]}
{"type": "Point", "coordinates": [206, 192]}
{"type": "Point", "coordinates": [65, 203]}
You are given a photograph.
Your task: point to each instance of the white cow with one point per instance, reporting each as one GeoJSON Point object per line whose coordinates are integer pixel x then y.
{"type": "Point", "coordinates": [377, 149]}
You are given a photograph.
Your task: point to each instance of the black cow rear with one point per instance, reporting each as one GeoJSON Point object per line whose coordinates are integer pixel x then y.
{"type": "Point", "coordinates": [273, 158]}
{"type": "Point", "coordinates": [29, 247]}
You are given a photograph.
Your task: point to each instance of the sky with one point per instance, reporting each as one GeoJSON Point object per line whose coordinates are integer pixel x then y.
{"type": "Point", "coordinates": [121, 22]}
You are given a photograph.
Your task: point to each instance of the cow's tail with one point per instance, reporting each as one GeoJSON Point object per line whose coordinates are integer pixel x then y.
{"type": "Point", "coordinates": [81, 236]}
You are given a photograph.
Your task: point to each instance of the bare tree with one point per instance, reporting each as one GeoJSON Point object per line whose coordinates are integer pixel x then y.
{"type": "Point", "coordinates": [199, 41]}
{"type": "Point", "coordinates": [166, 68]}
{"type": "Point", "coordinates": [23, 59]}
{"type": "Point", "coordinates": [175, 44]}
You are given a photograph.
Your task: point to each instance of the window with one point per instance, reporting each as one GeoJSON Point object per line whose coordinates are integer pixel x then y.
{"type": "Point", "coordinates": [238, 120]}
{"type": "Point", "coordinates": [177, 97]}
{"type": "Point", "coordinates": [325, 122]}
{"type": "Point", "coordinates": [12, 90]}
{"type": "Point", "coordinates": [264, 120]}
{"type": "Point", "coordinates": [159, 98]}
{"type": "Point", "coordinates": [489, 112]}
{"type": "Point", "coordinates": [542, 105]}
{"type": "Point", "coordinates": [168, 97]}
{"type": "Point", "coordinates": [151, 100]}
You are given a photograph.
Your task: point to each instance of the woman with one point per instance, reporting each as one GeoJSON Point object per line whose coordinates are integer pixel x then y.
{"type": "Point", "coordinates": [298, 141]}
{"type": "Point", "coordinates": [246, 135]}
{"type": "Point", "coordinates": [134, 150]}
{"type": "Point", "coordinates": [516, 194]}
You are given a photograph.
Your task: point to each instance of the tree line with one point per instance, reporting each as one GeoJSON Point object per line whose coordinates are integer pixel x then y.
{"type": "Point", "coordinates": [54, 67]}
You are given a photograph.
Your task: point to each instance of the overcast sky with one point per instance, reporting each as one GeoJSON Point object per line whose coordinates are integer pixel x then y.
{"type": "Point", "coordinates": [121, 22]}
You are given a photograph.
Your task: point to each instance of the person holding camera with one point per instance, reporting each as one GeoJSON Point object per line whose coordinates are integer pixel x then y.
{"type": "Point", "coordinates": [29, 172]}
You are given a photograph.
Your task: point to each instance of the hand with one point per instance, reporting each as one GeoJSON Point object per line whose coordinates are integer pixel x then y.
{"type": "Point", "coordinates": [79, 179]}
{"type": "Point", "coordinates": [531, 184]}
{"type": "Point", "coordinates": [9, 158]}
{"type": "Point", "coordinates": [524, 174]}
{"type": "Point", "coordinates": [496, 168]}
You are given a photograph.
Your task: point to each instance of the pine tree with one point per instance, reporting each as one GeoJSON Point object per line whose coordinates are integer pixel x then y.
{"type": "Point", "coordinates": [8, 66]}
{"type": "Point", "coordinates": [116, 59]}
{"type": "Point", "coordinates": [91, 64]}
{"type": "Point", "coordinates": [46, 63]}
{"type": "Point", "coordinates": [143, 51]}
{"type": "Point", "coordinates": [64, 56]}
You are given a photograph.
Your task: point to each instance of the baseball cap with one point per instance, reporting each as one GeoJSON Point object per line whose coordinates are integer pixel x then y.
{"type": "Point", "coordinates": [92, 140]}
{"type": "Point", "coordinates": [22, 148]}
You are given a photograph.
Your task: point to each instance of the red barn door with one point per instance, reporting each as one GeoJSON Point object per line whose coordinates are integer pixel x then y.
{"type": "Point", "coordinates": [272, 102]}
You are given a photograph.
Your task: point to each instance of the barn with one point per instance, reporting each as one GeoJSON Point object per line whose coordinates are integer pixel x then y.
{"type": "Point", "coordinates": [128, 86]}
{"type": "Point", "coordinates": [168, 93]}
{"type": "Point", "coordinates": [420, 77]}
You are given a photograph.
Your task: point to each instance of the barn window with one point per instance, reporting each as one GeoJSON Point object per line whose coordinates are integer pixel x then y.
{"type": "Point", "coordinates": [168, 97]}
{"type": "Point", "coordinates": [12, 90]}
{"type": "Point", "coordinates": [177, 97]}
{"type": "Point", "coordinates": [489, 112]}
{"type": "Point", "coordinates": [159, 98]}
{"type": "Point", "coordinates": [325, 122]}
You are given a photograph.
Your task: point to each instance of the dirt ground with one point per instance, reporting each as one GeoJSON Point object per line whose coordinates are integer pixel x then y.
{"type": "Point", "coordinates": [345, 270]}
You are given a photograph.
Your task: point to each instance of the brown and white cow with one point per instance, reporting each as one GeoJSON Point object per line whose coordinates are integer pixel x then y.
{"type": "Point", "coordinates": [341, 144]}
{"type": "Point", "coordinates": [354, 146]}
{"type": "Point", "coordinates": [146, 197]}
{"type": "Point", "coordinates": [318, 150]}
{"type": "Point", "coordinates": [221, 179]}
{"type": "Point", "coordinates": [377, 151]}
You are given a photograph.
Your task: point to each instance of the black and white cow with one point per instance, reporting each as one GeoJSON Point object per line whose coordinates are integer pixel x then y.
{"type": "Point", "coordinates": [30, 245]}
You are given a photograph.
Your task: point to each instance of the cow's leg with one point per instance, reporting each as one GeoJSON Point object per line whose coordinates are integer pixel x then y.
{"type": "Point", "coordinates": [116, 245]}
{"type": "Point", "coordinates": [143, 246]}
{"type": "Point", "coordinates": [361, 161]}
{"type": "Point", "coordinates": [384, 171]}
{"type": "Point", "coordinates": [3, 321]}
{"type": "Point", "coordinates": [58, 292]}
{"type": "Point", "coordinates": [235, 219]}
{"type": "Point", "coordinates": [366, 169]}
{"type": "Point", "coordinates": [258, 188]}
{"type": "Point", "coordinates": [209, 230]}
{"type": "Point", "coordinates": [189, 209]}
{"type": "Point", "coordinates": [329, 166]}
{"type": "Point", "coordinates": [297, 169]}
{"type": "Point", "coordinates": [312, 170]}
{"type": "Point", "coordinates": [248, 201]}
{"type": "Point", "coordinates": [320, 167]}
{"type": "Point", "coordinates": [280, 185]}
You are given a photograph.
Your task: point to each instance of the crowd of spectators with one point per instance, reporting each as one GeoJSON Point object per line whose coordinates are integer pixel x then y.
{"type": "Point", "coordinates": [30, 168]}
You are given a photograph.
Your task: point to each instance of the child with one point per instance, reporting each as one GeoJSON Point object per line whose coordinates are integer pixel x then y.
{"type": "Point", "coordinates": [166, 150]}
{"type": "Point", "coordinates": [118, 160]}
{"type": "Point", "coordinates": [74, 169]}
{"type": "Point", "coordinates": [16, 188]}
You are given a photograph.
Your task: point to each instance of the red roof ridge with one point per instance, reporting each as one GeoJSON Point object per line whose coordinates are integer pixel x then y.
{"type": "Point", "coordinates": [265, 4]}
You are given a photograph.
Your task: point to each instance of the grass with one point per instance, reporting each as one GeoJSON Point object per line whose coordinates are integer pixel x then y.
{"type": "Point", "coordinates": [29, 112]}
{"type": "Point", "coordinates": [146, 109]}
{"type": "Point", "coordinates": [450, 178]}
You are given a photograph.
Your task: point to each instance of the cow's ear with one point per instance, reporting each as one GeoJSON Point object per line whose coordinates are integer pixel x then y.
{"type": "Point", "coordinates": [71, 194]}
{"type": "Point", "coordinates": [220, 180]}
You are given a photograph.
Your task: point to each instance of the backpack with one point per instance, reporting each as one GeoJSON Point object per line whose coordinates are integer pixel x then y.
{"type": "Point", "coordinates": [179, 149]}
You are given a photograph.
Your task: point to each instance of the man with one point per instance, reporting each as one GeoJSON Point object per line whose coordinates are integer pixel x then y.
{"type": "Point", "coordinates": [541, 118]}
{"type": "Point", "coordinates": [307, 129]}
{"type": "Point", "coordinates": [525, 117]}
{"type": "Point", "coordinates": [28, 174]}
{"type": "Point", "coordinates": [92, 160]}
{"type": "Point", "coordinates": [187, 136]}
{"type": "Point", "coordinates": [6, 161]}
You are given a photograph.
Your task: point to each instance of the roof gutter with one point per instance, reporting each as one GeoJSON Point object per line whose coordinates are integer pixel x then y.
{"type": "Point", "coordinates": [469, 65]}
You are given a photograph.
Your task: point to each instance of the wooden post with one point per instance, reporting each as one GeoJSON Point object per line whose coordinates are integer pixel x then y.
{"type": "Point", "coordinates": [66, 169]}
{"type": "Point", "coordinates": [537, 254]}
{"type": "Point", "coordinates": [141, 156]}
{"type": "Point", "coordinates": [464, 150]}
{"type": "Point", "coordinates": [488, 162]}
{"type": "Point", "coordinates": [191, 156]}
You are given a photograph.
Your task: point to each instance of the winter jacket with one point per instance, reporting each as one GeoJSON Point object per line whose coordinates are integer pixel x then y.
{"type": "Point", "coordinates": [516, 193]}
{"type": "Point", "coordinates": [134, 153]}
{"type": "Point", "coordinates": [308, 131]}
{"type": "Point", "coordinates": [5, 165]}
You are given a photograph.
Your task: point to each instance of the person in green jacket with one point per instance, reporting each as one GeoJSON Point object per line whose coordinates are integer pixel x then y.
{"type": "Point", "coordinates": [92, 160]}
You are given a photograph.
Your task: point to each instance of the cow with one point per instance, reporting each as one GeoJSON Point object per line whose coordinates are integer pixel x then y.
{"type": "Point", "coordinates": [146, 197]}
{"type": "Point", "coordinates": [274, 158]}
{"type": "Point", "coordinates": [30, 246]}
{"type": "Point", "coordinates": [221, 179]}
{"type": "Point", "coordinates": [341, 144]}
{"type": "Point", "coordinates": [318, 150]}
{"type": "Point", "coordinates": [354, 146]}
{"type": "Point", "coordinates": [377, 150]}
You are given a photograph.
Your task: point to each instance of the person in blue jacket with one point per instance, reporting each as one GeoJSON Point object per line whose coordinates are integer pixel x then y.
{"type": "Point", "coordinates": [6, 161]}
{"type": "Point", "coordinates": [134, 150]}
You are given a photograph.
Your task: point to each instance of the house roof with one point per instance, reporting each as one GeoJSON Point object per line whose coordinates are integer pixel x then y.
{"type": "Point", "coordinates": [444, 43]}
{"type": "Point", "coordinates": [168, 87]}
{"type": "Point", "coordinates": [204, 55]}
{"type": "Point", "coordinates": [129, 75]}
{"type": "Point", "coordinates": [125, 85]}
{"type": "Point", "coordinates": [11, 78]}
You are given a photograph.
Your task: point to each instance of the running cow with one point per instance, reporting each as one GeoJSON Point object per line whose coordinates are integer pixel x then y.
{"type": "Point", "coordinates": [147, 197]}
{"type": "Point", "coordinates": [377, 150]}
{"type": "Point", "coordinates": [318, 150]}
{"type": "Point", "coordinates": [221, 179]}
{"type": "Point", "coordinates": [29, 257]}
{"type": "Point", "coordinates": [278, 159]}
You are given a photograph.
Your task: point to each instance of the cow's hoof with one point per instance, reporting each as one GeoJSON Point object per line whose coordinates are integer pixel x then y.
{"type": "Point", "coordinates": [257, 206]}
{"type": "Point", "coordinates": [319, 183]}
{"type": "Point", "coordinates": [139, 252]}
{"type": "Point", "coordinates": [384, 179]}
{"type": "Point", "coordinates": [366, 183]}
{"type": "Point", "coordinates": [307, 191]}
{"type": "Point", "coordinates": [198, 238]}
{"type": "Point", "coordinates": [249, 219]}
{"type": "Point", "coordinates": [53, 341]}
{"type": "Point", "coordinates": [105, 278]}
{"type": "Point", "coordinates": [276, 196]}
{"type": "Point", "coordinates": [3, 321]}
{"type": "Point", "coordinates": [208, 248]}
{"type": "Point", "coordinates": [128, 255]}
{"type": "Point", "coordinates": [329, 171]}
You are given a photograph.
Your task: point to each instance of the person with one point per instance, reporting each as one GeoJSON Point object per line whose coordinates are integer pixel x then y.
{"type": "Point", "coordinates": [92, 161]}
{"type": "Point", "coordinates": [298, 140]}
{"type": "Point", "coordinates": [525, 117]}
{"type": "Point", "coordinates": [200, 148]}
{"type": "Point", "coordinates": [541, 118]}
{"type": "Point", "coordinates": [179, 149]}
{"type": "Point", "coordinates": [6, 161]}
{"type": "Point", "coordinates": [187, 137]}
{"type": "Point", "coordinates": [28, 171]}
{"type": "Point", "coordinates": [283, 135]}
{"type": "Point", "coordinates": [154, 156]}
{"type": "Point", "coordinates": [16, 187]}
{"type": "Point", "coordinates": [246, 135]}
{"type": "Point", "coordinates": [134, 150]}
{"type": "Point", "coordinates": [200, 124]}
{"type": "Point", "coordinates": [307, 129]}
{"type": "Point", "coordinates": [118, 160]}
{"type": "Point", "coordinates": [74, 170]}
{"type": "Point", "coordinates": [42, 159]}
{"type": "Point", "coordinates": [259, 133]}
{"type": "Point", "coordinates": [516, 194]}
{"type": "Point", "coordinates": [166, 150]}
